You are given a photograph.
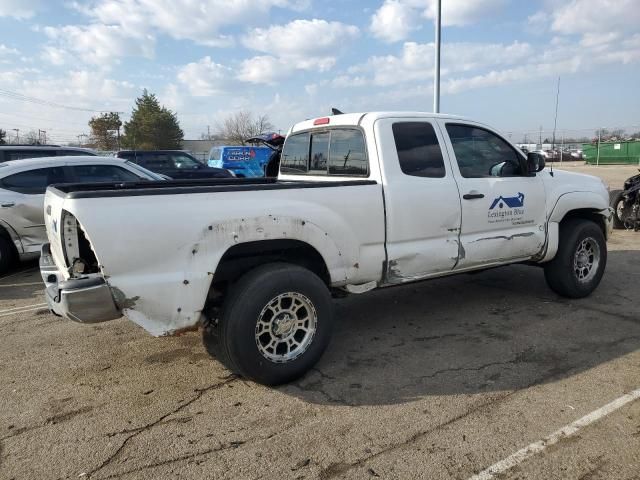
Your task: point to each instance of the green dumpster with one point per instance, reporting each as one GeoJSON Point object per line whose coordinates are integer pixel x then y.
{"type": "Point", "coordinates": [612, 152]}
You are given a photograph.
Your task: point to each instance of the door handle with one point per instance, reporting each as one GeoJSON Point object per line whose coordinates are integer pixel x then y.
{"type": "Point", "coordinates": [8, 204]}
{"type": "Point", "coordinates": [472, 195]}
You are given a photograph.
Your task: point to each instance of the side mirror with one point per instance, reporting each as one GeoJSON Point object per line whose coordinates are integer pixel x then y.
{"type": "Point", "coordinates": [535, 162]}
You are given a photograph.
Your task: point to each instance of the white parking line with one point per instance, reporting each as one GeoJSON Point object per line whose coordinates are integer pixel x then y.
{"type": "Point", "coordinates": [24, 307]}
{"type": "Point", "coordinates": [537, 447]}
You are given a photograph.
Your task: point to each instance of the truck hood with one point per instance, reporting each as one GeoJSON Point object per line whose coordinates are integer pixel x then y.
{"type": "Point", "coordinates": [563, 182]}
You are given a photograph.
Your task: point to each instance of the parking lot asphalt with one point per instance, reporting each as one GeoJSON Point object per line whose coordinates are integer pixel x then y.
{"type": "Point", "coordinates": [441, 379]}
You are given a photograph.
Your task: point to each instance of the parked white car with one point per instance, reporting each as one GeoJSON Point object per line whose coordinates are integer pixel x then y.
{"type": "Point", "coordinates": [362, 201]}
{"type": "Point", "coordinates": [22, 186]}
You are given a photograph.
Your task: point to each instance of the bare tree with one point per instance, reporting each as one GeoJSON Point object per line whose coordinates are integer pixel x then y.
{"type": "Point", "coordinates": [239, 126]}
{"type": "Point", "coordinates": [30, 138]}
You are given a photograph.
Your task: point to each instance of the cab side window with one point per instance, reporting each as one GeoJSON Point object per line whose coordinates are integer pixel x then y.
{"type": "Point", "coordinates": [482, 154]}
{"type": "Point", "coordinates": [418, 150]}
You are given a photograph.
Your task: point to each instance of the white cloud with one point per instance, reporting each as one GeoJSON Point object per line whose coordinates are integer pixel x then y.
{"type": "Point", "coordinates": [596, 16]}
{"type": "Point", "coordinates": [19, 8]}
{"type": "Point", "coordinates": [200, 21]}
{"type": "Point", "coordinates": [78, 88]}
{"type": "Point", "coordinates": [96, 44]}
{"type": "Point", "coordinates": [263, 69]}
{"type": "Point", "coordinates": [415, 63]}
{"type": "Point", "coordinates": [396, 19]}
{"type": "Point", "coordinates": [393, 21]}
{"type": "Point", "coordinates": [7, 51]}
{"type": "Point", "coordinates": [204, 77]}
{"type": "Point", "coordinates": [300, 44]}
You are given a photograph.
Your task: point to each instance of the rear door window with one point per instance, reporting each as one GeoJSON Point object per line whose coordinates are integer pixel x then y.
{"type": "Point", "coordinates": [24, 153]}
{"type": "Point", "coordinates": [33, 182]}
{"type": "Point", "coordinates": [156, 161]}
{"type": "Point", "coordinates": [102, 173]}
{"type": "Point", "coordinates": [418, 150]}
{"type": "Point", "coordinates": [339, 151]}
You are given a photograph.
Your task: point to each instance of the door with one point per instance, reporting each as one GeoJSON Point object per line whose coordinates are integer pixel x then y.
{"type": "Point", "coordinates": [421, 200]}
{"type": "Point", "coordinates": [503, 206]}
{"type": "Point", "coordinates": [22, 203]}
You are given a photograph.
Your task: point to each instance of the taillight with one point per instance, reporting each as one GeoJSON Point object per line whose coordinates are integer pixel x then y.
{"type": "Point", "coordinates": [321, 121]}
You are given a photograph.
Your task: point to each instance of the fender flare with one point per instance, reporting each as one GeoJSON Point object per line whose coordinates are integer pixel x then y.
{"type": "Point", "coordinates": [565, 204]}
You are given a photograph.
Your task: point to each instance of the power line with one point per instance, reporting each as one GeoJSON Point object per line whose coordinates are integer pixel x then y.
{"type": "Point", "coordinates": [38, 101]}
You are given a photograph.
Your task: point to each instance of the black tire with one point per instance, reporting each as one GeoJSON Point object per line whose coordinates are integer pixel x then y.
{"type": "Point", "coordinates": [7, 255]}
{"type": "Point", "coordinates": [233, 340]}
{"type": "Point", "coordinates": [615, 197]}
{"type": "Point", "coordinates": [560, 274]}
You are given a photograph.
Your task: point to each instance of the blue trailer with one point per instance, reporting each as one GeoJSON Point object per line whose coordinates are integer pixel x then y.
{"type": "Point", "coordinates": [244, 161]}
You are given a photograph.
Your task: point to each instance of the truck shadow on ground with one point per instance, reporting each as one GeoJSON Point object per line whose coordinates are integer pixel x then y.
{"type": "Point", "coordinates": [22, 281]}
{"type": "Point", "coordinates": [497, 330]}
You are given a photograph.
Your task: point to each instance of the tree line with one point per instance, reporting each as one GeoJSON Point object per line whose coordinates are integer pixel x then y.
{"type": "Point", "coordinates": [154, 127]}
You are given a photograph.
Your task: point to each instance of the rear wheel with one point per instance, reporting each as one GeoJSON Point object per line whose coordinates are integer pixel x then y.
{"type": "Point", "coordinates": [7, 255]}
{"type": "Point", "coordinates": [275, 324]}
{"type": "Point", "coordinates": [579, 264]}
{"type": "Point", "coordinates": [616, 201]}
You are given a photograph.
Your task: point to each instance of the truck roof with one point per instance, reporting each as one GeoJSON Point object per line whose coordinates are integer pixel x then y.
{"type": "Point", "coordinates": [354, 119]}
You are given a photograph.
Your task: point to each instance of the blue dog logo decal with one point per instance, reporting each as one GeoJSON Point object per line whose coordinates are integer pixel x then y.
{"type": "Point", "coordinates": [511, 202]}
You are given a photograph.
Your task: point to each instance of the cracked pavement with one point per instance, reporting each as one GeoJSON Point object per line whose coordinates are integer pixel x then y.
{"type": "Point", "coordinates": [433, 380]}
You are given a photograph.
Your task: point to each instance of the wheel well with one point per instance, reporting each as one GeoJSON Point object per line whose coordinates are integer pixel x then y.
{"type": "Point", "coordinates": [5, 234]}
{"type": "Point", "coordinates": [243, 257]}
{"type": "Point", "coordinates": [588, 214]}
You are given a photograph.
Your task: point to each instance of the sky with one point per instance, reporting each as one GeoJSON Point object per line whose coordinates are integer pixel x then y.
{"type": "Point", "coordinates": [295, 59]}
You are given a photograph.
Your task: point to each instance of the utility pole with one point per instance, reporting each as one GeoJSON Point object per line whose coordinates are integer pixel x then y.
{"type": "Point", "coordinates": [208, 133]}
{"type": "Point", "coordinates": [17, 130]}
{"type": "Point", "coordinates": [598, 155]}
{"type": "Point", "coordinates": [540, 138]}
{"type": "Point", "coordinates": [436, 73]}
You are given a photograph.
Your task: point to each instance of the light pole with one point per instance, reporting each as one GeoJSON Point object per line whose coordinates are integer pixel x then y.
{"type": "Point", "coordinates": [436, 73]}
{"type": "Point", "coordinates": [17, 130]}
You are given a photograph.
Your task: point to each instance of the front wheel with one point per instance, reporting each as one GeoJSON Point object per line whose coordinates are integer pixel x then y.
{"type": "Point", "coordinates": [579, 264]}
{"type": "Point", "coordinates": [275, 324]}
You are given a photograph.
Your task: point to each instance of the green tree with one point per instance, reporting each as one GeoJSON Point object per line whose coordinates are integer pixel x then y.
{"type": "Point", "coordinates": [3, 136]}
{"type": "Point", "coordinates": [105, 131]}
{"type": "Point", "coordinates": [152, 126]}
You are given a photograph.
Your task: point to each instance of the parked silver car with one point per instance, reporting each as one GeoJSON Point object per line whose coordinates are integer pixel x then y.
{"type": "Point", "coordinates": [22, 187]}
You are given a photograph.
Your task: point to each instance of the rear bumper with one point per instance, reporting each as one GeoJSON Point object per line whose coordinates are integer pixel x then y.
{"type": "Point", "coordinates": [83, 300]}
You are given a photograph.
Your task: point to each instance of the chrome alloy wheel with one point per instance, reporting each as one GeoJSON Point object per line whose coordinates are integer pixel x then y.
{"type": "Point", "coordinates": [586, 260]}
{"type": "Point", "coordinates": [285, 327]}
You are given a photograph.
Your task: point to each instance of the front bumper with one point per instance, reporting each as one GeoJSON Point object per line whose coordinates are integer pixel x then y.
{"type": "Point", "coordinates": [84, 300]}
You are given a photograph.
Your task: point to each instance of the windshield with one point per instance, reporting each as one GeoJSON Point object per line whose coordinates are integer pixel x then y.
{"type": "Point", "coordinates": [215, 153]}
{"type": "Point", "coordinates": [143, 170]}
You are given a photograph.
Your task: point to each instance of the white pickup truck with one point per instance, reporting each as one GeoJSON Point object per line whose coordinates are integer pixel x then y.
{"type": "Point", "coordinates": [362, 201]}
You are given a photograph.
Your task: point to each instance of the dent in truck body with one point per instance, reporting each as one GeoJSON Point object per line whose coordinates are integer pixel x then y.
{"type": "Point", "coordinates": [215, 239]}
